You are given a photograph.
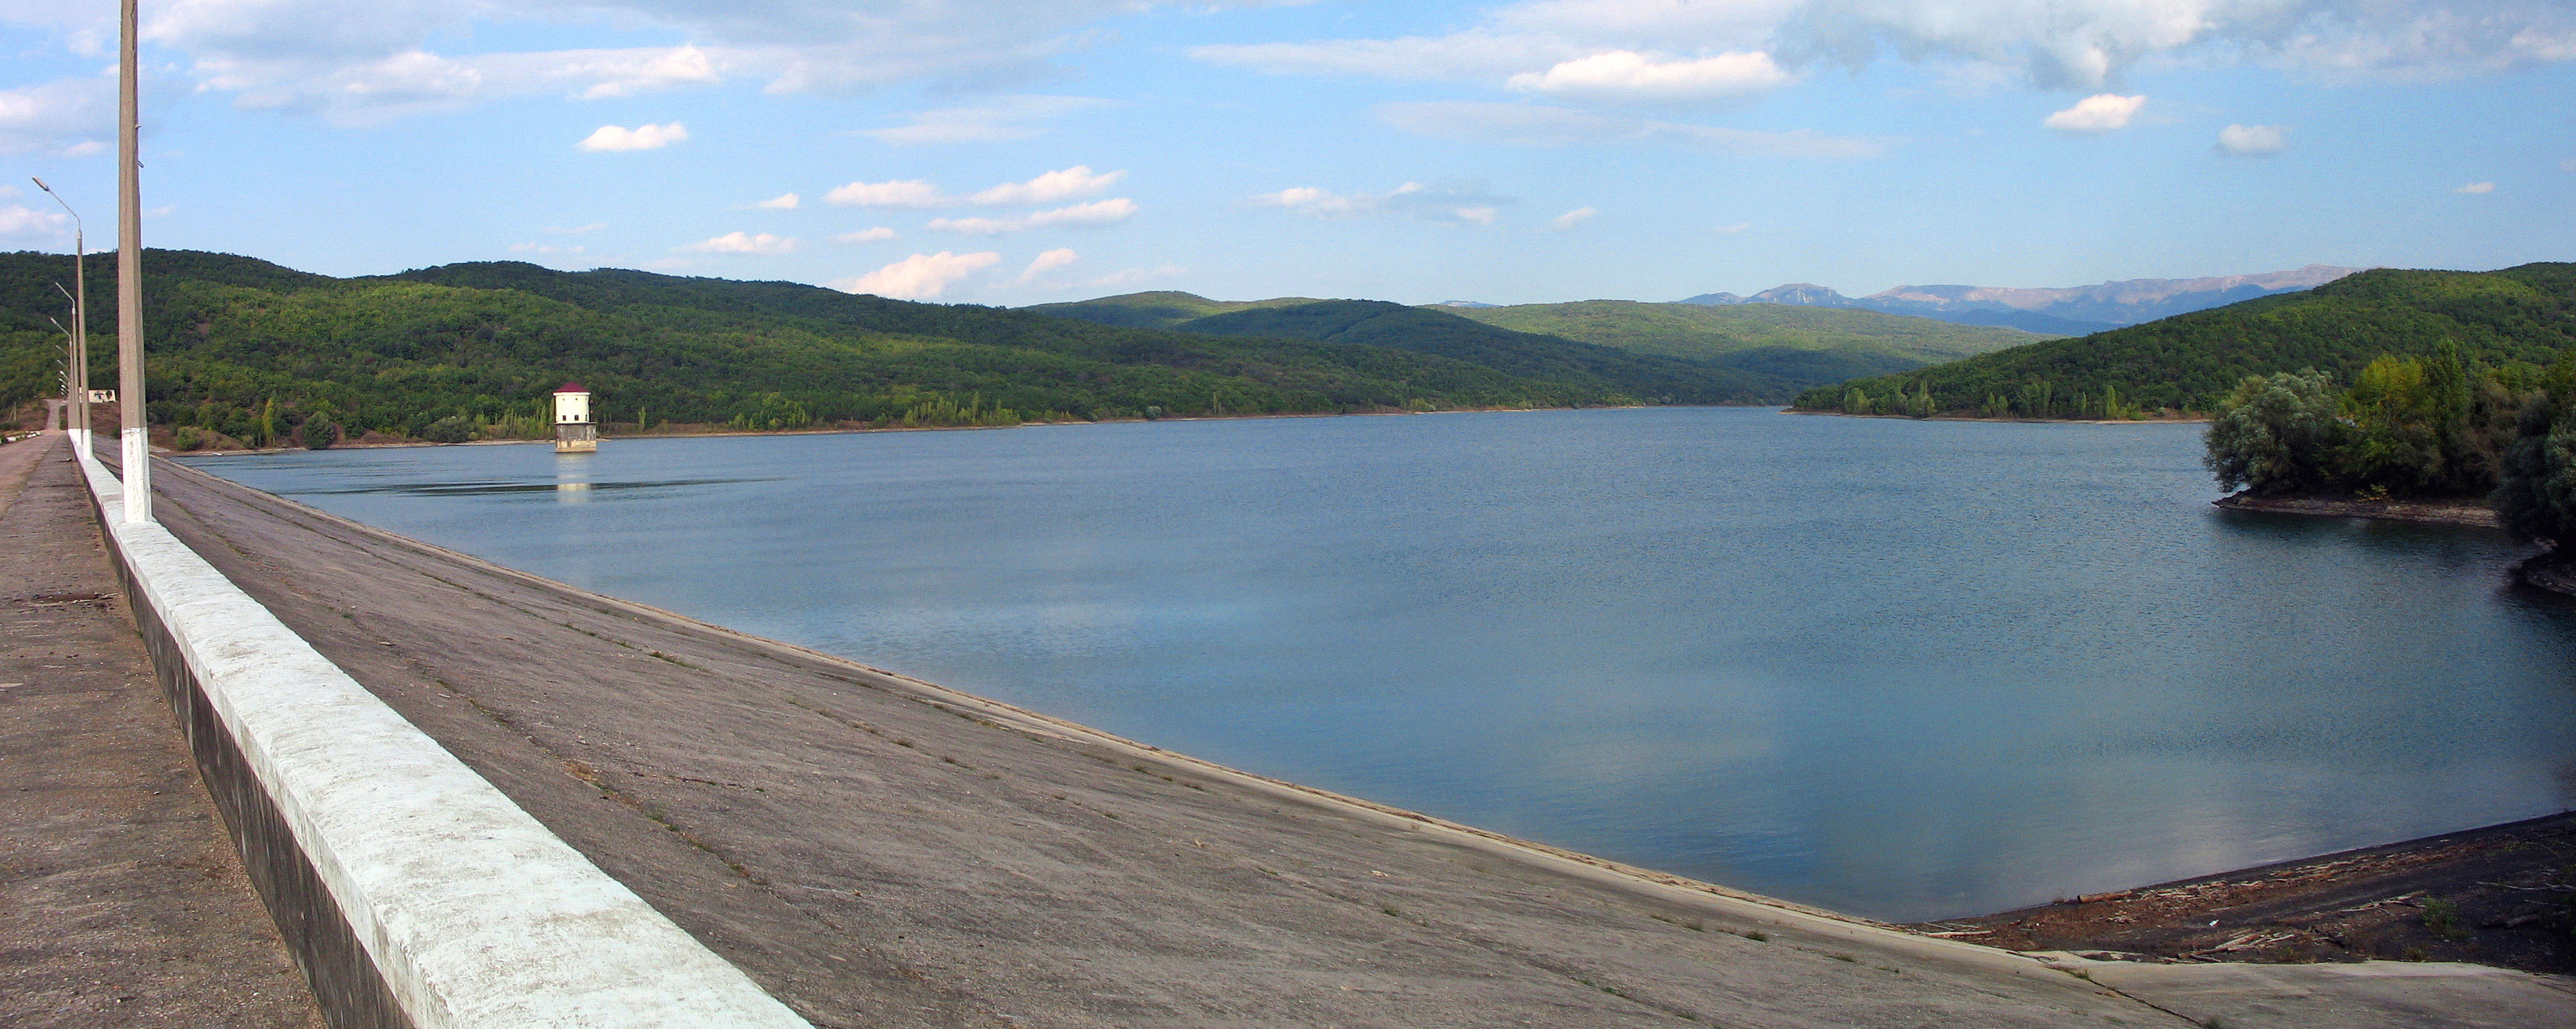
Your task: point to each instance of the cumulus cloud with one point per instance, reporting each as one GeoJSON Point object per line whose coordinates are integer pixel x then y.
{"type": "Point", "coordinates": [744, 243]}
{"type": "Point", "coordinates": [1052, 187]}
{"type": "Point", "coordinates": [1531, 125]}
{"type": "Point", "coordinates": [1627, 75]}
{"type": "Point", "coordinates": [1047, 262]}
{"type": "Point", "coordinates": [1571, 218]}
{"type": "Point", "coordinates": [899, 193]}
{"type": "Point", "coordinates": [1460, 202]}
{"type": "Point", "coordinates": [865, 235]}
{"type": "Point", "coordinates": [920, 276]}
{"type": "Point", "coordinates": [2085, 44]}
{"type": "Point", "coordinates": [641, 137]}
{"type": "Point", "coordinates": [781, 202]}
{"type": "Point", "coordinates": [1092, 215]}
{"type": "Point", "coordinates": [18, 221]}
{"type": "Point", "coordinates": [65, 117]}
{"type": "Point", "coordinates": [2476, 187]}
{"type": "Point", "coordinates": [2098, 113]}
{"type": "Point", "coordinates": [368, 63]}
{"type": "Point", "coordinates": [1000, 121]}
{"type": "Point", "coordinates": [2251, 140]}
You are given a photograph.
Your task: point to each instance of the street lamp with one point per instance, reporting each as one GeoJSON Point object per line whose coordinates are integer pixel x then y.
{"type": "Point", "coordinates": [130, 401]}
{"type": "Point", "coordinates": [76, 377]}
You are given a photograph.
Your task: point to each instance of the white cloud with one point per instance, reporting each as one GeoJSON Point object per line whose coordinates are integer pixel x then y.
{"type": "Point", "coordinates": [1003, 120]}
{"type": "Point", "coordinates": [920, 276]}
{"type": "Point", "coordinates": [2085, 44]}
{"type": "Point", "coordinates": [1736, 229]}
{"type": "Point", "coordinates": [2098, 113]}
{"type": "Point", "coordinates": [865, 235]}
{"type": "Point", "coordinates": [544, 248]}
{"type": "Point", "coordinates": [641, 137]}
{"type": "Point", "coordinates": [1052, 187]}
{"type": "Point", "coordinates": [1530, 125]}
{"type": "Point", "coordinates": [2476, 187]}
{"type": "Point", "coordinates": [900, 193]}
{"type": "Point", "coordinates": [65, 117]}
{"type": "Point", "coordinates": [781, 202]}
{"type": "Point", "coordinates": [18, 220]}
{"type": "Point", "coordinates": [1092, 215]}
{"type": "Point", "coordinates": [1571, 218]}
{"type": "Point", "coordinates": [575, 230]}
{"type": "Point", "coordinates": [332, 59]}
{"type": "Point", "coordinates": [1461, 202]}
{"type": "Point", "coordinates": [2251, 140]}
{"type": "Point", "coordinates": [1047, 262]}
{"type": "Point", "coordinates": [745, 243]}
{"type": "Point", "coordinates": [1628, 75]}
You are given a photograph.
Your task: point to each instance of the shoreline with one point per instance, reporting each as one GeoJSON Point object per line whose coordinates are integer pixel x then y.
{"type": "Point", "coordinates": [2491, 895]}
{"type": "Point", "coordinates": [160, 450]}
{"type": "Point", "coordinates": [2428, 512]}
{"type": "Point", "coordinates": [2181, 420]}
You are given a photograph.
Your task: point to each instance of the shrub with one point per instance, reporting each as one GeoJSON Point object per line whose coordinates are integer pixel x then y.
{"type": "Point", "coordinates": [451, 429]}
{"type": "Point", "coordinates": [2276, 433]}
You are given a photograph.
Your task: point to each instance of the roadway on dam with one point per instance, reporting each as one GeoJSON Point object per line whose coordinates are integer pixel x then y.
{"type": "Point", "coordinates": [877, 851]}
{"type": "Point", "coordinates": [121, 901]}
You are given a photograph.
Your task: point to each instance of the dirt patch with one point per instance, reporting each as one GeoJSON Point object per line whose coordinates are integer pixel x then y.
{"type": "Point", "coordinates": [2503, 896]}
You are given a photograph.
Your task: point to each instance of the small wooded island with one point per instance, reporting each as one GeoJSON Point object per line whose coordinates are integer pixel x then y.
{"type": "Point", "coordinates": [2461, 397]}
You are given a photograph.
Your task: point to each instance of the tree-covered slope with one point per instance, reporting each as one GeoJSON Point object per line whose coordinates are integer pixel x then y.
{"type": "Point", "coordinates": [1378, 323]}
{"type": "Point", "coordinates": [1706, 332]}
{"type": "Point", "coordinates": [2517, 315]}
{"type": "Point", "coordinates": [1160, 309]}
{"type": "Point", "coordinates": [227, 336]}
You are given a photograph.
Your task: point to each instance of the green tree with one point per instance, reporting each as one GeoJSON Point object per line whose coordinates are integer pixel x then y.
{"type": "Point", "coordinates": [2535, 494]}
{"type": "Point", "coordinates": [2276, 434]}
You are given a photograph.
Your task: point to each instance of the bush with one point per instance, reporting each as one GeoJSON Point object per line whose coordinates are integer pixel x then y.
{"type": "Point", "coordinates": [318, 435]}
{"type": "Point", "coordinates": [451, 429]}
{"type": "Point", "coordinates": [2536, 498]}
{"type": "Point", "coordinates": [2276, 433]}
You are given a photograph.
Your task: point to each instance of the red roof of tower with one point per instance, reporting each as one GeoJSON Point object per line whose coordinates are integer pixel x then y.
{"type": "Point", "coordinates": [570, 387]}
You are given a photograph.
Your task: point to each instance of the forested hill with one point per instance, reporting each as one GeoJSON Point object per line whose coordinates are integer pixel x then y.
{"type": "Point", "coordinates": [251, 350]}
{"type": "Point", "coordinates": [2516, 316]}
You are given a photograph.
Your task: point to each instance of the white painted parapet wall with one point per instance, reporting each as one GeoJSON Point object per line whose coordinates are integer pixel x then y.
{"type": "Point", "coordinates": [412, 892]}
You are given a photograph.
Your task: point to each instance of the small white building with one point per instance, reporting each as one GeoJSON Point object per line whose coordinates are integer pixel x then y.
{"type": "Point", "coordinates": [574, 431]}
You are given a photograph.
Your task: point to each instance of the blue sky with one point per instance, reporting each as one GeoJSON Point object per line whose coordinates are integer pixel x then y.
{"type": "Point", "coordinates": [1013, 153]}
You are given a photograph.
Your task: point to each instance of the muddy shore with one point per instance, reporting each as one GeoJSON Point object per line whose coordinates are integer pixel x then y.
{"type": "Point", "coordinates": [2432, 512]}
{"type": "Point", "coordinates": [2504, 895]}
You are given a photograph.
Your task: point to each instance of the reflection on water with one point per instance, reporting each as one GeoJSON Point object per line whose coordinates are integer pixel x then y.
{"type": "Point", "coordinates": [1902, 669]}
{"type": "Point", "coordinates": [490, 487]}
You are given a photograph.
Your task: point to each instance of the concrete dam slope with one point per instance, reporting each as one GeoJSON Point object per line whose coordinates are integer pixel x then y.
{"type": "Point", "coordinates": [877, 851]}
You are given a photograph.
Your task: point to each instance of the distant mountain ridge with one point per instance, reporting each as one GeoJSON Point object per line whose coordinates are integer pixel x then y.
{"type": "Point", "coordinates": [2075, 310]}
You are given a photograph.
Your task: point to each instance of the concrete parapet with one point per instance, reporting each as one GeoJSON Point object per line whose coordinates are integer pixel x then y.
{"type": "Point", "coordinates": [412, 892]}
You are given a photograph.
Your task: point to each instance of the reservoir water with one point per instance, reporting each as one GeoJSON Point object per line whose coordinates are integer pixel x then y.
{"type": "Point", "coordinates": [1905, 670]}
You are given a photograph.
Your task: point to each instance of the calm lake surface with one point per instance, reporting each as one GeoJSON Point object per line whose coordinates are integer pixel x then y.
{"type": "Point", "coordinates": [1905, 670]}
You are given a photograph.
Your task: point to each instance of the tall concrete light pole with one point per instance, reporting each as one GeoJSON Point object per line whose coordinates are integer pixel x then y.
{"type": "Point", "coordinates": [76, 376]}
{"type": "Point", "coordinates": [129, 281]}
